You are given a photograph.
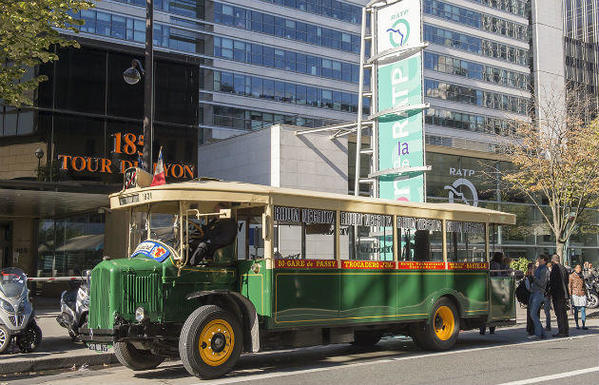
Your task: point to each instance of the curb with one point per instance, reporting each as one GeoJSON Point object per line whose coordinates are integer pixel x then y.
{"type": "Point", "coordinates": [52, 363]}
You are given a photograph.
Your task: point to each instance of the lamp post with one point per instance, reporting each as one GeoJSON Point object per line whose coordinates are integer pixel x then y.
{"type": "Point", "coordinates": [133, 75]}
{"type": "Point", "coordinates": [39, 154]}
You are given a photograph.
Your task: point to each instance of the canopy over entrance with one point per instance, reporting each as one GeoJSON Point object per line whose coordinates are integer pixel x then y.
{"type": "Point", "coordinates": [38, 200]}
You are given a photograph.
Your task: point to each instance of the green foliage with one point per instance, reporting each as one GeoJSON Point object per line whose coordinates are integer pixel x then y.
{"type": "Point", "coordinates": [28, 33]}
{"type": "Point", "coordinates": [520, 264]}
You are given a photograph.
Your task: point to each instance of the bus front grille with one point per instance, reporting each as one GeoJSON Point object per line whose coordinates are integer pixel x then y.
{"type": "Point", "coordinates": [141, 290]}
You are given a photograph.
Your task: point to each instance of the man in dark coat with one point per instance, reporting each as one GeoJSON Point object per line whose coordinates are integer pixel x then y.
{"type": "Point", "coordinates": [215, 234]}
{"type": "Point", "coordinates": [558, 282]}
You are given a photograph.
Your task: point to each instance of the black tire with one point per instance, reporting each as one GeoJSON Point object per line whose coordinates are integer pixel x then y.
{"type": "Point", "coordinates": [30, 339]}
{"type": "Point", "coordinates": [366, 338]}
{"type": "Point", "coordinates": [136, 359]}
{"type": "Point", "coordinates": [4, 339]}
{"type": "Point", "coordinates": [198, 342]}
{"type": "Point", "coordinates": [442, 329]}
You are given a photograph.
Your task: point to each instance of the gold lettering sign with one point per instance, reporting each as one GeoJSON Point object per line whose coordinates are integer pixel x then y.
{"type": "Point", "coordinates": [124, 143]}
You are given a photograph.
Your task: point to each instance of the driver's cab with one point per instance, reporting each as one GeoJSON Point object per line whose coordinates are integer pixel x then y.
{"type": "Point", "coordinates": [180, 225]}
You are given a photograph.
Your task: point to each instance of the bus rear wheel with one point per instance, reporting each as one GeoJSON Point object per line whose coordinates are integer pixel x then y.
{"type": "Point", "coordinates": [441, 332]}
{"type": "Point", "coordinates": [210, 342]}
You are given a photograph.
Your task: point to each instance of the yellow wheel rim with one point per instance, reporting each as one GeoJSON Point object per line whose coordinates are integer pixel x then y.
{"type": "Point", "coordinates": [444, 323]}
{"type": "Point", "coordinates": [216, 343]}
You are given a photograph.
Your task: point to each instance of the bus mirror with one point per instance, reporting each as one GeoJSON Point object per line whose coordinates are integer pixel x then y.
{"type": "Point", "coordinates": [224, 213]}
{"type": "Point", "coordinates": [265, 226]}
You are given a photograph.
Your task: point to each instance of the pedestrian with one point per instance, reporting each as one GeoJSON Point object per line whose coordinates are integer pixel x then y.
{"type": "Point", "coordinates": [547, 304]}
{"type": "Point", "coordinates": [586, 272]}
{"type": "Point", "coordinates": [528, 278]}
{"type": "Point", "coordinates": [505, 266]}
{"type": "Point", "coordinates": [578, 293]}
{"type": "Point", "coordinates": [496, 264]}
{"type": "Point", "coordinates": [538, 288]}
{"type": "Point", "coordinates": [558, 283]}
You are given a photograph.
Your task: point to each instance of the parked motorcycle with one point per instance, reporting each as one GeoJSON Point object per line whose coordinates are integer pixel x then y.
{"type": "Point", "coordinates": [74, 306]}
{"type": "Point", "coordinates": [16, 312]}
{"type": "Point", "coordinates": [592, 285]}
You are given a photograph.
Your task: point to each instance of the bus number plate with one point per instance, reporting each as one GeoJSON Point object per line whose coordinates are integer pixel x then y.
{"type": "Point", "coordinates": [102, 348]}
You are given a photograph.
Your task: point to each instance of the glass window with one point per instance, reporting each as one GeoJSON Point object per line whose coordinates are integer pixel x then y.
{"type": "Point", "coordinates": [268, 89]}
{"type": "Point", "coordinates": [117, 29]}
{"type": "Point", "coordinates": [466, 242]}
{"type": "Point", "coordinates": [366, 237]}
{"type": "Point", "coordinates": [302, 233]}
{"type": "Point", "coordinates": [256, 87]}
{"type": "Point", "coordinates": [103, 24]}
{"type": "Point", "coordinates": [421, 239]}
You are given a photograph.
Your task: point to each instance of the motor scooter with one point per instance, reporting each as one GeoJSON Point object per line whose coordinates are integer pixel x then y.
{"type": "Point", "coordinates": [592, 286]}
{"type": "Point", "coordinates": [74, 306]}
{"type": "Point", "coordinates": [17, 319]}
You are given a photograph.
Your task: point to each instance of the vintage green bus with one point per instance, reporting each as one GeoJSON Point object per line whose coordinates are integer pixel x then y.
{"type": "Point", "coordinates": [305, 268]}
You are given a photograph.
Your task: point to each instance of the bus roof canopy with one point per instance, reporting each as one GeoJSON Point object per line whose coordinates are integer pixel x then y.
{"type": "Point", "coordinates": [254, 194]}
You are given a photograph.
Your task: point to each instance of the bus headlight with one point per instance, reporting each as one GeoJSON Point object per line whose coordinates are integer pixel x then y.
{"type": "Point", "coordinates": [140, 314]}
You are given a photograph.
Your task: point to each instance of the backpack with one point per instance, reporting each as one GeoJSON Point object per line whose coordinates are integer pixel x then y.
{"type": "Point", "coordinates": [522, 293]}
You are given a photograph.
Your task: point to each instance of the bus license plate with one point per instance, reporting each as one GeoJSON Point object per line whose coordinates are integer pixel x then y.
{"type": "Point", "coordinates": [103, 348]}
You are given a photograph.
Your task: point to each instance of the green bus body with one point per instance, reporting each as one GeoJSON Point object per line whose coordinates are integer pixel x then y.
{"type": "Point", "coordinates": [293, 298]}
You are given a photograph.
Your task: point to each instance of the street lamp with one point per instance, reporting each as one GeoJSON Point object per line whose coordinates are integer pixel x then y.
{"type": "Point", "coordinates": [133, 74]}
{"type": "Point", "coordinates": [39, 154]}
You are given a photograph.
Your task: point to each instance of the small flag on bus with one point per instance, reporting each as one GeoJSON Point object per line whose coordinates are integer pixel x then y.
{"type": "Point", "coordinates": [159, 174]}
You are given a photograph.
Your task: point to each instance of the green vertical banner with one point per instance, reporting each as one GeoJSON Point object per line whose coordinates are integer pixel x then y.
{"type": "Point", "coordinates": [399, 84]}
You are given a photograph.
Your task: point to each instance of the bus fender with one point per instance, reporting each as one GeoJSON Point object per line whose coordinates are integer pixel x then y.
{"type": "Point", "coordinates": [243, 307]}
{"type": "Point", "coordinates": [451, 294]}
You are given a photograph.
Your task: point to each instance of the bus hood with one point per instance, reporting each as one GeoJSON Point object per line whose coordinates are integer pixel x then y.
{"type": "Point", "coordinates": [120, 286]}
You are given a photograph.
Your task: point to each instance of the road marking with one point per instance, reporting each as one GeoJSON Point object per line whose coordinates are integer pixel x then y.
{"type": "Point", "coordinates": [551, 377]}
{"type": "Point", "coordinates": [251, 377]}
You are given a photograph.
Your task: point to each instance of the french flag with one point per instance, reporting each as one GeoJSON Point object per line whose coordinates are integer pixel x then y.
{"type": "Point", "coordinates": [159, 174]}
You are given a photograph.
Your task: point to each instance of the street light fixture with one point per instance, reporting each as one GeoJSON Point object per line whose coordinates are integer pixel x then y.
{"type": "Point", "coordinates": [39, 154]}
{"type": "Point", "coordinates": [133, 74]}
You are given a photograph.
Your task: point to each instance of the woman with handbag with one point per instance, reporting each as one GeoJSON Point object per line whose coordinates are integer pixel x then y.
{"type": "Point", "coordinates": [577, 290]}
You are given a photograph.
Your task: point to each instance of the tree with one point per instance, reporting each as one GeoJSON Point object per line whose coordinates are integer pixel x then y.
{"type": "Point", "coordinates": [555, 159]}
{"type": "Point", "coordinates": [28, 33]}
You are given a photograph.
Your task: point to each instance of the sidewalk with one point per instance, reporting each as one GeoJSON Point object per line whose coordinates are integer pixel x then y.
{"type": "Point", "coordinates": [56, 351]}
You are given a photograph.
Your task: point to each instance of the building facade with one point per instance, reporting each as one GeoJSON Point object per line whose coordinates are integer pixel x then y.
{"type": "Point", "coordinates": [228, 67]}
{"type": "Point", "coordinates": [581, 43]}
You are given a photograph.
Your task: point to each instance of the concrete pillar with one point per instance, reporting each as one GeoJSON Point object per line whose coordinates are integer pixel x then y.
{"type": "Point", "coordinates": [23, 245]}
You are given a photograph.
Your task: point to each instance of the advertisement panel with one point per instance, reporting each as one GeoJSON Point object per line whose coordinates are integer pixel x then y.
{"type": "Point", "coordinates": [399, 84]}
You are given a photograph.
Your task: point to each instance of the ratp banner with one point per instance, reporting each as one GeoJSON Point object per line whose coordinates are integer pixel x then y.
{"type": "Point", "coordinates": [400, 137]}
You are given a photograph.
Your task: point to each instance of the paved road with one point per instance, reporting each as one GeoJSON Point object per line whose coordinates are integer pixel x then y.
{"type": "Point", "coordinates": [506, 358]}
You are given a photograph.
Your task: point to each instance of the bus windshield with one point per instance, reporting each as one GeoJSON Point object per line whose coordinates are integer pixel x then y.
{"type": "Point", "coordinates": [157, 222]}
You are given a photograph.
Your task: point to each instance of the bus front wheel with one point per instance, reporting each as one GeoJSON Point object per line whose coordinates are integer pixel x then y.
{"type": "Point", "coordinates": [136, 359]}
{"type": "Point", "coordinates": [210, 342]}
{"type": "Point", "coordinates": [441, 332]}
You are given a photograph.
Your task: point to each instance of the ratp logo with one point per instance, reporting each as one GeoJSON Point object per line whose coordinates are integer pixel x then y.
{"type": "Point", "coordinates": [399, 33]}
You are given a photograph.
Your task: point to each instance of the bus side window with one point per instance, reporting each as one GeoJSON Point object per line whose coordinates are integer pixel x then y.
{"type": "Point", "coordinates": [465, 241]}
{"type": "Point", "coordinates": [366, 237]}
{"type": "Point", "coordinates": [303, 233]}
{"type": "Point", "coordinates": [420, 239]}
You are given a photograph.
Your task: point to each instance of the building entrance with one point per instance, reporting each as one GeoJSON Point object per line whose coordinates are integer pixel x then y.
{"type": "Point", "coordinates": [5, 244]}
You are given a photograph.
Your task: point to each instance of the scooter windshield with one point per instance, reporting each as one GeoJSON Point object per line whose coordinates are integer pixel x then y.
{"type": "Point", "coordinates": [12, 282]}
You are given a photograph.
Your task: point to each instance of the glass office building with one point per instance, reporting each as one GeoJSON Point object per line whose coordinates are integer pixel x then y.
{"type": "Point", "coordinates": [581, 43]}
{"type": "Point", "coordinates": [226, 67]}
